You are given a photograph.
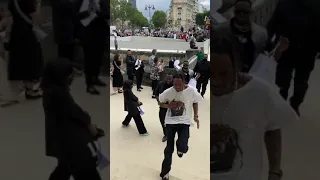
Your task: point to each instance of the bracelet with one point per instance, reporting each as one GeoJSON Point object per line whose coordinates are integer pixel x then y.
{"type": "Point", "coordinates": [279, 174]}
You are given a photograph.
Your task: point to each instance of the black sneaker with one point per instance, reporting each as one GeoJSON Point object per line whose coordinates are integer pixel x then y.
{"type": "Point", "coordinates": [139, 90]}
{"type": "Point", "coordinates": [153, 96]}
{"type": "Point", "coordinates": [164, 139]}
{"type": "Point", "coordinates": [141, 87]}
{"type": "Point", "coordinates": [180, 154]}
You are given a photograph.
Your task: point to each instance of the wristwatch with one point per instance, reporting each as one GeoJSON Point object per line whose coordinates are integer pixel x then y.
{"type": "Point", "coordinates": [279, 174]}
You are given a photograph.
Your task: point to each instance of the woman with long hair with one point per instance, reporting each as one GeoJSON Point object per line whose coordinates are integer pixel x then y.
{"type": "Point", "coordinates": [131, 105]}
{"type": "Point", "coordinates": [245, 113]}
{"type": "Point", "coordinates": [117, 77]}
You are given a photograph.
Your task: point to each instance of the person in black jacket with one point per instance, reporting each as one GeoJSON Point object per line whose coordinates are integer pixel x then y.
{"type": "Point", "coordinates": [162, 86]}
{"type": "Point", "coordinates": [130, 61]}
{"type": "Point", "coordinates": [294, 21]}
{"type": "Point", "coordinates": [139, 71]}
{"type": "Point", "coordinates": [131, 104]}
{"type": "Point", "coordinates": [94, 42]}
{"type": "Point", "coordinates": [202, 71]}
{"type": "Point", "coordinates": [68, 128]}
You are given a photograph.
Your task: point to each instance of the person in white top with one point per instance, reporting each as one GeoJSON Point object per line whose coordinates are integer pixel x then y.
{"type": "Point", "coordinates": [245, 113]}
{"type": "Point", "coordinates": [181, 99]}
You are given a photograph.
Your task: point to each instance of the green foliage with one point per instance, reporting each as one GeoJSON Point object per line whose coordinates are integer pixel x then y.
{"type": "Point", "coordinates": [159, 19]}
{"type": "Point", "coordinates": [122, 10]}
{"type": "Point", "coordinates": [200, 18]}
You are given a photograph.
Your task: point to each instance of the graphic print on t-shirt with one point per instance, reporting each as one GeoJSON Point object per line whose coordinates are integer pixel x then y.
{"type": "Point", "coordinates": [224, 148]}
{"type": "Point", "coordinates": [179, 111]}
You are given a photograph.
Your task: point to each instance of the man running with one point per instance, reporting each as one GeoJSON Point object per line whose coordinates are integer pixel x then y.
{"type": "Point", "coordinates": [180, 99]}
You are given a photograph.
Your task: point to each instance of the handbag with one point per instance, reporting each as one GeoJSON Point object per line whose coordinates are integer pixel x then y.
{"type": "Point", "coordinates": [193, 83]}
{"type": "Point", "coordinates": [38, 32]}
{"type": "Point", "coordinates": [265, 67]}
{"type": "Point", "coordinates": [95, 148]}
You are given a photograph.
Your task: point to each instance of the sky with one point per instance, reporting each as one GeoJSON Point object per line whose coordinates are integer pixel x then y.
{"type": "Point", "coordinates": [161, 5]}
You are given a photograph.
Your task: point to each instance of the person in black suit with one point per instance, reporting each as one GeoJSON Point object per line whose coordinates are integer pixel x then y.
{"type": "Point", "coordinates": [68, 128]}
{"type": "Point", "coordinates": [94, 40]}
{"type": "Point", "coordinates": [139, 71]}
{"type": "Point", "coordinates": [130, 61]}
{"type": "Point", "coordinates": [131, 104]}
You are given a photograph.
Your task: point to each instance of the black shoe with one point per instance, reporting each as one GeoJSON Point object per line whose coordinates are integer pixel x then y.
{"type": "Point", "coordinates": [165, 177]}
{"type": "Point", "coordinates": [295, 108]}
{"type": "Point", "coordinates": [98, 82]}
{"type": "Point", "coordinates": [92, 90]}
{"type": "Point", "coordinates": [32, 94]}
{"type": "Point", "coordinates": [139, 90]}
{"type": "Point", "coordinates": [164, 139]}
{"type": "Point", "coordinates": [153, 96]}
{"type": "Point", "coordinates": [140, 87]}
{"type": "Point", "coordinates": [180, 154]}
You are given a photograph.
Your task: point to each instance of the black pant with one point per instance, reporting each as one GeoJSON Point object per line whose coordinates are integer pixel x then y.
{"type": "Point", "coordinates": [66, 50]}
{"type": "Point", "coordinates": [202, 85]}
{"type": "Point", "coordinates": [64, 171]}
{"type": "Point", "coordinates": [154, 86]}
{"type": "Point", "coordinates": [182, 144]}
{"type": "Point", "coordinates": [130, 77]}
{"type": "Point", "coordinates": [139, 76]}
{"type": "Point", "coordinates": [93, 55]}
{"type": "Point", "coordinates": [162, 116]}
{"type": "Point", "coordinates": [302, 67]}
{"type": "Point", "coordinates": [138, 120]}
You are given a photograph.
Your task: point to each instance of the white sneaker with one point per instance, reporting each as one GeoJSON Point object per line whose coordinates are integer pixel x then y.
{"type": "Point", "coordinates": [165, 177]}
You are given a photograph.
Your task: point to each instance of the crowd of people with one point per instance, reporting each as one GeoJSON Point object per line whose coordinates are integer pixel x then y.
{"type": "Point", "coordinates": [247, 111]}
{"type": "Point", "coordinates": [176, 97]}
{"type": "Point", "coordinates": [69, 133]}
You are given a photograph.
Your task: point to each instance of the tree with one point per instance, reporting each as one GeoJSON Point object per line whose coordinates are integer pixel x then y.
{"type": "Point", "coordinates": [114, 11]}
{"type": "Point", "coordinates": [125, 10]}
{"type": "Point", "coordinates": [200, 17]}
{"type": "Point", "coordinates": [137, 19]}
{"type": "Point", "coordinates": [159, 19]}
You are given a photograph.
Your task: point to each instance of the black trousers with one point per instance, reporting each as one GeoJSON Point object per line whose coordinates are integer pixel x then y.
{"type": "Point", "coordinates": [139, 76]}
{"type": "Point", "coordinates": [302, 64]}
{"type": "Point", "coordinates": [130, 76]}
{"type": "Point", "coordinates": [93, 55]}
{"type": "Point", "coordinates": [138, 120]}
{"type": "Point", "coordinates": [154, 85]}
{"type": "Point", "coordinates": [64, 171]}
{"type": "Point", "coordinates": [162, 116]}
{"type": "Point", "coordinates": [182, 144]}
{"type": "Point", "coordinates": [202, 85]}
{"type": "Point", "coordinates": [66, 50]}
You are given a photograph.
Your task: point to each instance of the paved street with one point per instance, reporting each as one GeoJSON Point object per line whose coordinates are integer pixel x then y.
{"type": "Point", "coordinates": [140, 42]}
{"type": "Point", "coordinates": [22, 135]}
{"type": "Point", "coordinates": [135, 157]}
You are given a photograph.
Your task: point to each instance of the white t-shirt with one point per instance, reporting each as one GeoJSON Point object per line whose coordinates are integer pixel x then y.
{"type": "Point", "coordinates": [250, 111]}
{"type": "Point", "coordinates": [181, 115]}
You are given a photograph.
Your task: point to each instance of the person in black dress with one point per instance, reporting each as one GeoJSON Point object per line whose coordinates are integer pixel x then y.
{"type": "Point", "coordinates": [117, 77]}
{"type": "Point", "coordinates": [131, 104]}
{"type": "Point", "coordinates": [130, 61]}
{"type": "Point", "coordinates": [25, 52]}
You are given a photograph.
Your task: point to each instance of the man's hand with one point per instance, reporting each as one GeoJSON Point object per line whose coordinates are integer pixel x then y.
{"type": "Point", "coordinates": [175, 104]}
{"type": "Point", "coordinates": [196, 119]}
{"type": "Point", "coordinates": [283, 44]}
{"type": "Point", "coordinates": [92, 8]}
{"type": "Point", "coordinates": [93, 130]}
{"type": "Point", "coordinates": [198, 75]}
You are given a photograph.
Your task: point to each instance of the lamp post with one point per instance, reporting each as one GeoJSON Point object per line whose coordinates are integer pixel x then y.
{"type": "Point", "coordinates": [150, 7]}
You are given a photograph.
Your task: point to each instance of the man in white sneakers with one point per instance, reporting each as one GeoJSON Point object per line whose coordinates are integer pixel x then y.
{"type": "Point", "coordinates": [181, 99]}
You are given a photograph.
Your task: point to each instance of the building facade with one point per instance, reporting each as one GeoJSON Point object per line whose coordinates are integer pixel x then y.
{"type": "Point", "coordinates": [183, 13]}
{"type": "Point", "coordinates": [133, 3]}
